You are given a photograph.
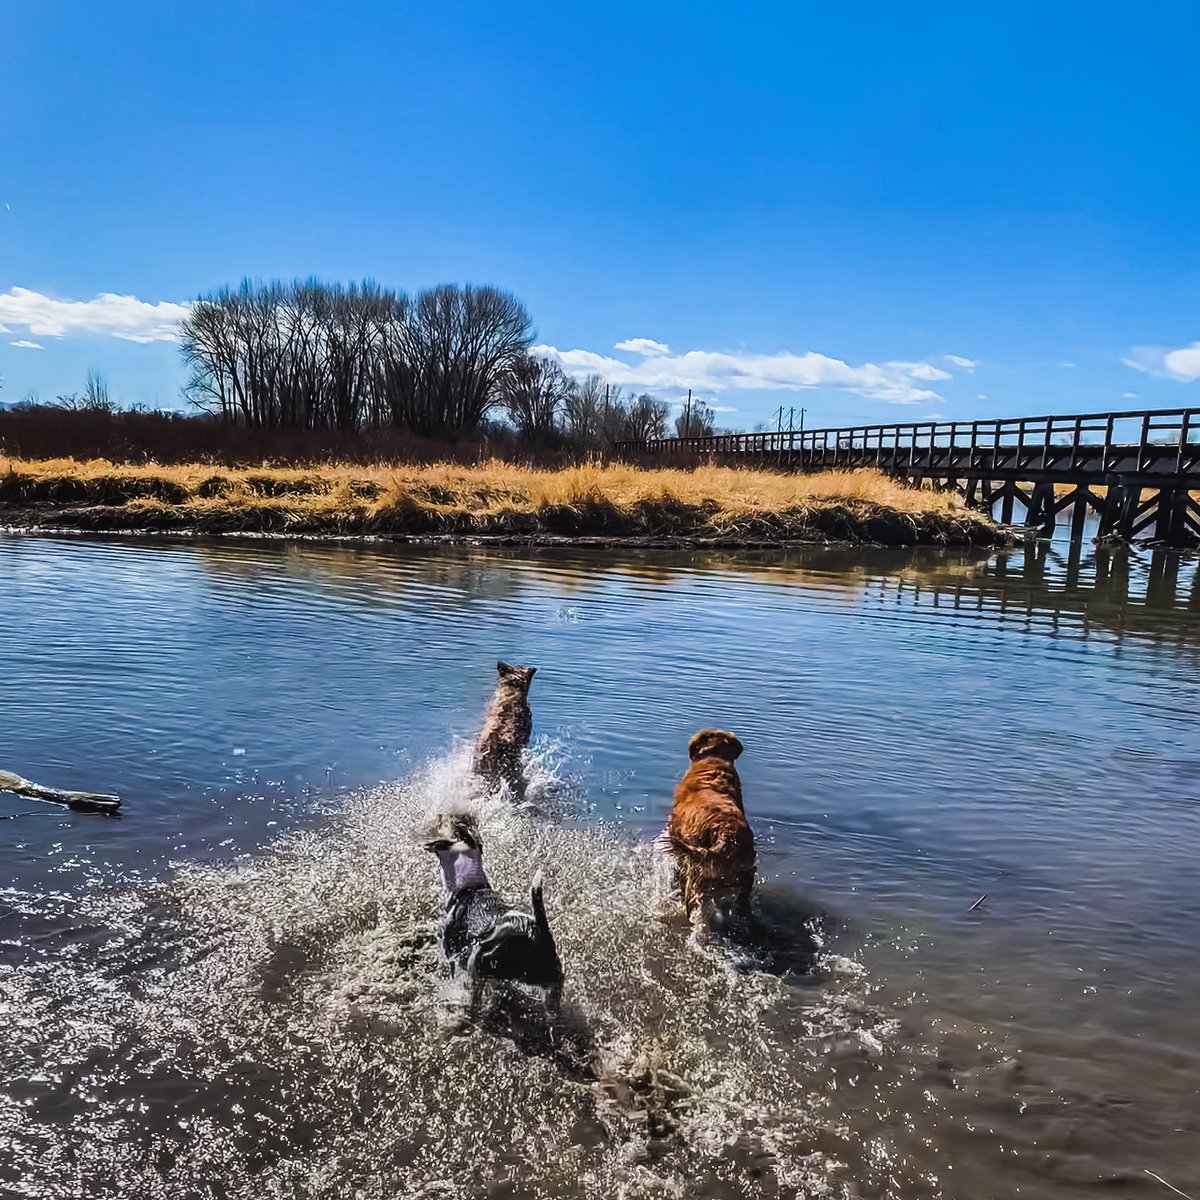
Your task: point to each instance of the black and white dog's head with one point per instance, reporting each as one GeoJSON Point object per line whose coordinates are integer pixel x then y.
{"type": "Point", "coordinates": [459, 849]}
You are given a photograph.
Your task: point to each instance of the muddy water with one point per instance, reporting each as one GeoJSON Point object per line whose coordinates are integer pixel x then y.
{"type": "Point", "coordinates": [233, 989]}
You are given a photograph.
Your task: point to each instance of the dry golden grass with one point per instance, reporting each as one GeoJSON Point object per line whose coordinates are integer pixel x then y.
{"type": "Point", "coordinates": [495, 499]}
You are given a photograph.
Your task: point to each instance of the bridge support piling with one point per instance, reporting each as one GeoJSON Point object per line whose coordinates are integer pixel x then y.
{"type": "Point", "coordinates": [1079, 513]}
{"type": "Point", "coordinates": [1006, 504]}
{"type": "Point", "coordinates": [1111, 511]}
{"type": "Point", "coordinates": [1040, 510]}
{"type": "Point", "coordinates": [1127, 506]}
{"type": "Point", "coordinates": [1174, 525]}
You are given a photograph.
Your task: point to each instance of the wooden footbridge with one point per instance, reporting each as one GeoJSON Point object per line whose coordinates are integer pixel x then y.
{"type": "Point", "coordinates": [1137, 472]}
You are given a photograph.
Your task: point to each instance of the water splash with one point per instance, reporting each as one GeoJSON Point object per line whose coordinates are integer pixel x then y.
{"type": "Point", "coordinates": [275, 1028]}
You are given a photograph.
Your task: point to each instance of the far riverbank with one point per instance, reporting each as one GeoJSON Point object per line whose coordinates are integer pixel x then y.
{"type": "Point", "coordinates": [494, 502]}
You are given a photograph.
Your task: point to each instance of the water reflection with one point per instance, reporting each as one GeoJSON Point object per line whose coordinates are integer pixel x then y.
{"type": "Point", "coordinates": [1156, 594]}
{"type": "Point", "coordinates": [1118, 589]}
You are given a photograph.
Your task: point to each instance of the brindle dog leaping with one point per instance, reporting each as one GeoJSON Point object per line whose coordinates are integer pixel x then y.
{"type": "Point", "coordinates": [507, 726]}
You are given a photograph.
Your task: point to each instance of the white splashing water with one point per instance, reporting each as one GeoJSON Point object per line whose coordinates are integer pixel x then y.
{"type": "Point", "coordinates": [276, 1028]}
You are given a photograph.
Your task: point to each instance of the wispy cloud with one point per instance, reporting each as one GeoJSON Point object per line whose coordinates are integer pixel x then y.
{"type": "Point", "coordinates": [652, 365]}
{"type": "Point", "coordinates": [1182, 364]}
{"type": "Point", "coordinates": [967, 364]}
{"type": "Point", "coordinates": [124, 317]}
{"type": "Point", "coordinates": [25, 344]}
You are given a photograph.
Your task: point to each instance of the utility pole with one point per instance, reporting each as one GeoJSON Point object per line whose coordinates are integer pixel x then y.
{"type": "Point", "coordinates": [687, 416]}
{"type": "Point", "coordinates": [779, 421]}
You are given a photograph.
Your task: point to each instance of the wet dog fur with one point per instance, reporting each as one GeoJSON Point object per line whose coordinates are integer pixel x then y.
{"type": "Point", "coordinates": [708, 834]}
{"type": "Point", "coordinates": [507, 726]}
{"type": "Point", "coordinates": [484, 937]}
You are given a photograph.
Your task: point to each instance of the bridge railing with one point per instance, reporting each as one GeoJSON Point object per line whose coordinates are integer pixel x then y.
{"type": "Point", "coordinates": [1144, 432]}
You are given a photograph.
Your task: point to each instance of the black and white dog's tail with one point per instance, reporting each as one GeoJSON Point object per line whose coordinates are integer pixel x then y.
{"type": "Point", "coordinates": [539, 910]}
{"type": "Point", "coordinates": [517, 933]}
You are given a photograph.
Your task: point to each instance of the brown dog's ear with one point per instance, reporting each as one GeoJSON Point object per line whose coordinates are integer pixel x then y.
{"type": "Point", "coordinates": [709, 740]}
{"type": "Point", "coordinates": [502, 668]}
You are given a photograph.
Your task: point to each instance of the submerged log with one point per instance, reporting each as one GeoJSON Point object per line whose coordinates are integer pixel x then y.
{"type": "Point", "coordinates": [79, 801]}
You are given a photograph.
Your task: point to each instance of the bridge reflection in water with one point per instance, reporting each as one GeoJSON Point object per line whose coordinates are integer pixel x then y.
{"type": "Point", "coordinates": [1069, 588]}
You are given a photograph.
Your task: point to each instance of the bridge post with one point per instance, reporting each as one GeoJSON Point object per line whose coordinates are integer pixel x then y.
{"type": "Point", "coordinates": [1162, 519]}
{"type": "Point", "coordinates": [1127, 505]}
{"type": "Point", "coordinates": [1006, 503]}
{"type": "Point", "coordinates": [1172, 526]}
{"type": "Point", "coordinates": [1080, 511]}
{"type": "Point", "coordinates": [1040, 512]}
{"type": "Point", "coordinates": [1111, 510]}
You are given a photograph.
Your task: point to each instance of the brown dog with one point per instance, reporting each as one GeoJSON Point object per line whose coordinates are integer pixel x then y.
{"type": "Point", "coordinates": [708, 831]}
{"type": "Point", "coordinates": [507, 726]}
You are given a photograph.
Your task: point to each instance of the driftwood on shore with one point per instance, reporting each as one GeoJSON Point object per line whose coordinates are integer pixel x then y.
{"type": "Point", "coordinates": [79, 801]}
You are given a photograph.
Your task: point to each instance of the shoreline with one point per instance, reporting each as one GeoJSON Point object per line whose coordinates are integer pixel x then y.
{"type": "Point", "coordinates": [499, 504]}
{"type": "Point", "coordinates": [58, 523]}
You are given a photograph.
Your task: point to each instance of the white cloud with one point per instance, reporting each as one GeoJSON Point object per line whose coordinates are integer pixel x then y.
{"type": "Point", "coordinates": [647, 347]}
{"type": "Point", "coordinates": [967, 364]}
{"type": "Point", "coordinates": [1183, 364]}
{"type": "Point", "coordinates": [718, 371]}
{"type": "Point", "coordinates": [1129, 395]}
{"type": "Point", "coordinates": [1068, 364]}
{"type": "Point", "coordinates": [23, 344]}
{"type": "Point", "coordinates": [1161, 362]}
{"type": "Point", "coordinates": [921, 370]}
{"type": "Point", "coordinates": [124, 317]}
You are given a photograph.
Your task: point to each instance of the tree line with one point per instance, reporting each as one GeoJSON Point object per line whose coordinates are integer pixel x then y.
{"type": "Point", "coordinates": [444, 363]}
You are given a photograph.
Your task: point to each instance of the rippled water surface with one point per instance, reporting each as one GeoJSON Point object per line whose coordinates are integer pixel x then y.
{"type": "Point", "coordinates": [233, 990]}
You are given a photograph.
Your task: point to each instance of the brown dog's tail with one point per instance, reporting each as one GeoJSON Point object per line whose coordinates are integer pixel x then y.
{"type": "Point", "coordinates": [720, 844]}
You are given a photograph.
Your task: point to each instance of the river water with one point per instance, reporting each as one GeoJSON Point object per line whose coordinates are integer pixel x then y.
{"type": "Point", "coordinates": [232, 990]}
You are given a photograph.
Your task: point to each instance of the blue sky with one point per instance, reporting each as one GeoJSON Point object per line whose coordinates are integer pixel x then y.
{"type": "Point", "coordinates": [793, 204]}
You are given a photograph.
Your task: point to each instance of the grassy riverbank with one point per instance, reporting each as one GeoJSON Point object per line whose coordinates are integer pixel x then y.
{"type": "Point", "coordinates": [494, 500]}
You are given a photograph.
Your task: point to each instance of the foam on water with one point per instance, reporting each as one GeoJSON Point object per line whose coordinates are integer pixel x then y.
{"type": "Point", "coordinates": [277, 1028]}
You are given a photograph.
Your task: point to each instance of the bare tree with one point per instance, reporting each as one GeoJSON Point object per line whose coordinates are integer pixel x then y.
{"type": "Point", "coordinates": [535, 392]}
{"type": "Point", "coordinates": [447, 360]}
{"type": "Point", "coordinates": [646, 419]}
{"type": "Point", "coordinates": [614, 416]}
{"type": "Point", "coordinates": [95, 393]}
{"type": "Point", "coordinates": [585, 411]}
{"type": "Point", "coordinates": [304, 355]}
{"type": "Point", "coordinates": [696, 420]}
{"type": "Point", "coordinates": [312, 355]}
{"type": "Point", "coordinates": [94, 398]}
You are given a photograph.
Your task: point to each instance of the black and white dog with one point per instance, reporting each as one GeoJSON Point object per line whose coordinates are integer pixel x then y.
{"type": "Point", "coordinates": [484, 937]}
